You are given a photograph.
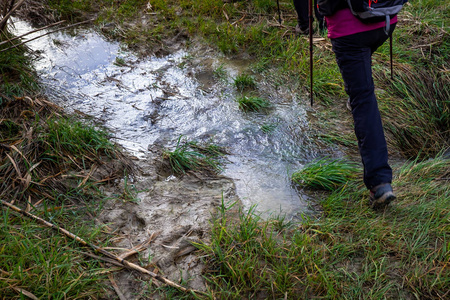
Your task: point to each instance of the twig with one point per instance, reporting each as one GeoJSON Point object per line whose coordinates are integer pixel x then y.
{"type": "Point", "coordinates": [242, 18]}
{"type": "Point", "coordinates": [94, 167]}
{"type": "Point", "coordinates": [4, 272]}
{"type": "Point", "coordinates": [425, 45]}
{"type": "Point", "coordinates": [30, 32]}
{"type": "Point", "coordinates": [105, 259]}
{"type": "Point", "coordinates": [100, 250]}
{"type": "Point", "coordinates": [10, 12]}
{"type": "Point", "coordinates": [116, 288]}
{"type": "Point", "coordinates": [47, 33]}
{"type": "Point", "coordinates": [15, 166]}
{"type": "Point", "coordinates": [139, 247]}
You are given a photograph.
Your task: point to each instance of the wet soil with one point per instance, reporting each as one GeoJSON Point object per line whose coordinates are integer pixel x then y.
{"type": "Point", "coordinates": [171, 212]}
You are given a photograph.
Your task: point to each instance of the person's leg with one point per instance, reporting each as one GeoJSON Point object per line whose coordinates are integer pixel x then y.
{"type": "Point", "coordinates": [301, 7]}
{"type": "Point", "coordinates": [353, 55]}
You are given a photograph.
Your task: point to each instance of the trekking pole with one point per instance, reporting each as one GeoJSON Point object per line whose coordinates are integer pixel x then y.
{"type": "Point", "coordinates": [390, 53]}
{"type": "Point", "coordinates": [279, 12]}
{"type": "Point", "coordinates": [310, 6]}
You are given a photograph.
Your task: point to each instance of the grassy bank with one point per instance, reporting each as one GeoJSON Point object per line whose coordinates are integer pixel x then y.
{"type": "Point", "coordinates": [348, 252]}
{"type": "Point", "coordinates": [48, 164]}
{"type": "Point", "coordinates": [47, 167]}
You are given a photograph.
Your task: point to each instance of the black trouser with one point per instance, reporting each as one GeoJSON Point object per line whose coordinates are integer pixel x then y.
{"type": "Point", "coordinates": [301, 6]}
{"type": "Point", "coordinates": [354, 57]}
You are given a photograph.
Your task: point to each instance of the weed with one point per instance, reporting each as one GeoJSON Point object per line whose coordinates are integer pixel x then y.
{"type": "Point", "coordinates": [120, 62]}
{"type": "Point", "coordinates": [221, 74]}
{"type": "Point", "coordinates": [268, 127]}
{"type": "Point", "coordinates": [325, 173]}
{"type": "Point", "coordinates": [190, 156]}
{"type": "Point", "coordinates": [76, 138]}
{"type": "Point", "coordinates": [243, 82]}
{"type": "Point", "coordinates": [252, 103]}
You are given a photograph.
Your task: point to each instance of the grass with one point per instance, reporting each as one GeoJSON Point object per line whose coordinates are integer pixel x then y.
{"type": "Point", "coordinates": [221, 74]}
{"type": "Point", "coordinates": [425, 111]}
{"type": "Point", "coordinates": [327, 174]}
{"type": "Point", "coordinates": [349, 252]}
{"type": "Point", "coordinates": [244, 82]}
{"type": "Point", "coordinates": [252, 103]}
{"type": "Point", "coordinates": [16, 76]}
{"type": "Point", "coordinates": [191, 156]}
{"type": "Point", "coordinates": [47, 161]}
{"type": "Point", "coordinates": [268, 127]}
{"type": "Point", "coordinates": [77, 139]}
{"type": "Point", "coordinates": [43, 263]}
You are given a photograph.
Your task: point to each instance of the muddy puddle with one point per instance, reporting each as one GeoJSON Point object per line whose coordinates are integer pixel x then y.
{"type": "Point", "coordinates": [153, 101]}
{"type": "Point", "coordinates": [148, 104]}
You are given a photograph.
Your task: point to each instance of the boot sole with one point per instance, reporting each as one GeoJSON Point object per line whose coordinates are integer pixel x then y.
{"type": "Point", "coordinates": [383, 201]}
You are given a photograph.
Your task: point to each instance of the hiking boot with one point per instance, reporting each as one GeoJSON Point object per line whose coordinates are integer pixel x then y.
{"type": "Point", "coordinates": [381, 196]}
{"type": "Point", "coordinates": [300, 31]}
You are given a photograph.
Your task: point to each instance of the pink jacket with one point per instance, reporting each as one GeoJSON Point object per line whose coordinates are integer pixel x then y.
{"type": "Point", "coordinates": [343, 23]}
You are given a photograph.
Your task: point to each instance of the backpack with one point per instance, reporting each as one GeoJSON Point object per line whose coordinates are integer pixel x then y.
{"type": "Point", "coordinates": [368, 11]}
{"type": "Point", "coordinates": [329, 7]}
{"type": "Point", "coordinates": [375, 10]}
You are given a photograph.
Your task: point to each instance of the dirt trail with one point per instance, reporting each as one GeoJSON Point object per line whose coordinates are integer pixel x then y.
{"type": "Point", "coordinates": [175, 211]}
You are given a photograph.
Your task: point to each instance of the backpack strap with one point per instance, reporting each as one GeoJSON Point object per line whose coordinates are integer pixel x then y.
{"type": "Point", "coordinates": [390, 56]}
{"type": "Point", "coordinates": [388, 25]}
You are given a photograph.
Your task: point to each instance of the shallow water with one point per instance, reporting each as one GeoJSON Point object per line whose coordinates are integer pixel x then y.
{"type": "Point", "coordinates": [156, 100]}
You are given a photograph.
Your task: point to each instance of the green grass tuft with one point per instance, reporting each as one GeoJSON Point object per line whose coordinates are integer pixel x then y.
{"type": "Point", "coordinates": [252, 103]}
{"type": "Point", "coordinates": [268, 127]}
{"type": "Point", "coordinates": [191, 156]}
{"type": "Point", "coordinates": [243, 82]}
{"type": "Point", "coordinates": [325, 173]}
{"type": "Point", "coordinates": [76, 138]}
{"type": "Point", "coordinates": [221, 74]}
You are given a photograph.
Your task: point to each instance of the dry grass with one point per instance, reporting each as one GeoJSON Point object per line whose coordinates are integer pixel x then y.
{"type": "Point", "coordinates": [36, 164]}
{"type": "Point", "coordinates": [417, 110]}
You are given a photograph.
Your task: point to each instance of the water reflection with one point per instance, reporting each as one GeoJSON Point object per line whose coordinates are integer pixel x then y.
{"type": "Point", "coordinates": [158, 99]}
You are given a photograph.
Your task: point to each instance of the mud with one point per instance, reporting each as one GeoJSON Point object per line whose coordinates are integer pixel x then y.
{"type": "Point", "coordinates": [174, 212]}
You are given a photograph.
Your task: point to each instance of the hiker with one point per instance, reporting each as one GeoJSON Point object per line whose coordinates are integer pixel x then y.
{"type": "Point", "coordinates": [302, 9]}
{"type": "Point", "coordinates": [353, 43]}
